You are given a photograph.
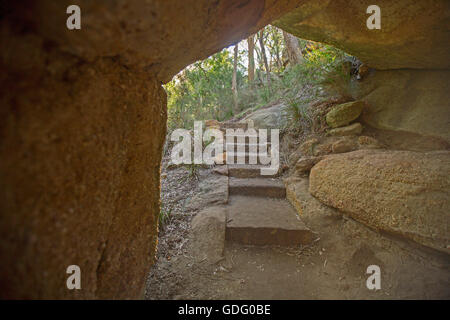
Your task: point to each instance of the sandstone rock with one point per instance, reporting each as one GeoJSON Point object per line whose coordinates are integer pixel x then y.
{"type": "Point", "coordinates": [307, 147]}
{"type": "Point", "coordinates": [401, 192]}
{"type": "Point", "coordinates": [274, 117]}
{"type": "Point", "coordinates": [222, 170]}
{"type": "Point", "coordinates": [353, 129]}
{"type": "Point", "coordinates": [208, 234]}
{"type": "Point", "coordinates": [80, 174]}
{"type": "Point", "coordinates": [323, 148]}
{"type": "Point", "coordinates": [293, 158]}
{"type": "Point", "coordinates": [305, 164]}
{"type": "Point", "coordinates": [413, 33]}
{"type": "Point", "coordinates": [343, 114]}
{"type": "Point", "coordinates": [213, 191]}
{"type": "Point", "coordinates": [170, 28]}
{"type": "Point", "coordinates": [415, 101]}
{"type": "Point", "coordinates": [366, 142]}
{"type": "Point", "coordinates": [313, 212]}
{"type": "Point", "coordinates": [344, 145]}
{"type": "Point", "coordinates": [83, 120]}
{"type": "Point", "coordinates": [83, 123]}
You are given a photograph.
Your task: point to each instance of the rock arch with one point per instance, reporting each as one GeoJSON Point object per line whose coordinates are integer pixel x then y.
{"type": "Point", "coordinates": [83, 122]}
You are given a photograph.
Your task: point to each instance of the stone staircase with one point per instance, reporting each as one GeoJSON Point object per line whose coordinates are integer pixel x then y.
{"type": "Point", "coordinates": [257, 210]}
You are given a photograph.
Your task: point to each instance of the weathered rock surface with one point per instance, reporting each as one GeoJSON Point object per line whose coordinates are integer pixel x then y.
{"type": "Point", "coordinates": [83, 121]}
{"type": "Point", "coordinates": [160, 36]}
{"type": "Point", "coordinates": [342, 114]}
{"type": "Point", "coordinates": [353, 129]}
{"type": "Point", "coordinates": [413, 34]}
{"type": "Point", "coordinates": [213, 191]}
{"type": "Point", "coordinates": [305, 164]}
{"type": "Point", "coordinates": [407, 100]}
{"type": "Point", "coordinates": [366, 142]}
{"type": "Point", "coordinates": [208, 234]}
{"type": "Point", "coordinates": [274, 117]}
{"type": "Point", "coordinates": [80, 178]}
{"type": "Point", "coordinates": [317, 147]}
{"type": "Point", "coordinates": [82, 126]}
{"type": "Point", "coordinates": [313, 212]}
{"type": "Point", "coordinates": [344, 145]}
{"type": "Point", "coordinates": [265, 221]}
{"type": "Point", "coordinates": [401, 192]}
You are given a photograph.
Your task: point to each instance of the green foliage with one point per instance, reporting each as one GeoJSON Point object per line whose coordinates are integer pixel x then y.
{"type": "Point", "coordinates": [164, 216]}
{"type": "Point", "coordinates": [202, 91]}
{"type": "Point", "coordinates": [299, 85]}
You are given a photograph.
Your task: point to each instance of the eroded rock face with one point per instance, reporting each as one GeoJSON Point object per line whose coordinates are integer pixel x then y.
{"type": "Point", "coordinates": [82, 126]}
{"type": "Point", "coordinates": [208, 234]}
{"type": "Point", "coordinates": [407, 100]}
{"type": "Point", "coordinates": [82, 121]}
{"type": "Point", "coordinates": [80, 149]}
{"type": "Point", "coordinates": [342, 114]}
{"type": "Point", "coordinates": [401, 192]}
{"type": "Point", "coordinates": [274, 117]}
{"type": "Point", "coordinates": [161, 37]}
{"type": "Point", "coordinates": [350, 130]}
{"type": "Point", "coordinates": [413, 34]}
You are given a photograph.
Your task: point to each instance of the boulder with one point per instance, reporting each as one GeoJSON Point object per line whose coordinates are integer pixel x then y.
{"type": "Point", "coordinates": [312, 211]}
{"type": "Point", "coordinates": [273, 117]}
{"type": "Point", "coordinates": [305, 164]}
{"type": "Point", "coordinates": [344, 144]}
{"type": "Point", "coordinates": [342, 114]}
{"type": "Point", "coordinates": [401, 192]}
{"type": "Point", "coordinates": [366, 142]}
{"type": "Point", "coordinates": [307, 147]}
{"type": "Point", "coordinates": [352, 129]}
{"type": "Point", "coordinates": [213, 190]}
{"type": "Point", "coordinates": [208, 234]}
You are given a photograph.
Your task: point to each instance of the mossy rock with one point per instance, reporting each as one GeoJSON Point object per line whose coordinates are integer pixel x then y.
{"type": "Point", "coordinates": [342, 114]}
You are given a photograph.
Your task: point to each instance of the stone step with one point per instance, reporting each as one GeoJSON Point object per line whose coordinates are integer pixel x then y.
{"type": "Point", "coordinates": [244, 158]}
{"type": "Point", "coordinates": [246, 138]}
{"type": "Point", "coordinates": [246, 171]}
{"type": "Point", "coordinates": [257, 187]}
{"type": "Point", "coordinates": [264, 221]}
{"type": "Point", "coordinates": [246, 146]}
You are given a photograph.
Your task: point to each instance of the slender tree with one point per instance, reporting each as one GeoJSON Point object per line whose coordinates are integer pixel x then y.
{"type": "Point", "coordinates": [234, 80]}
{"type": "Point", "coordinates": [293, 49]}
{"type": "Point", "coordinates": [251, 59]}
{"type": "Point", "coordinates": [264, 56]}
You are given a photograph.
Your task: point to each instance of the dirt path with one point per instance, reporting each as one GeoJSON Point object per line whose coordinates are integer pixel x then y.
{"type": "Point", "coordinates": [332, 267]}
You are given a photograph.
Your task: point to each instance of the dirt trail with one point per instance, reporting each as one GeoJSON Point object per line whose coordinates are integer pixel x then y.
{"type": "Point", "coordinates": [333, 266]}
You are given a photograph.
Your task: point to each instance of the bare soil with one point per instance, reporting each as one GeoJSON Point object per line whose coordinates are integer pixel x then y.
{"type": "Point", "coordinates": [333, 267]}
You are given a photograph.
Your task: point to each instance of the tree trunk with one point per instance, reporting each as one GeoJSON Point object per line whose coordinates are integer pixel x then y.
{"type": "Point", "coordinates": [251, 59]}
{"type": "Point", "coordinates": [263, 53]}
{"type": "Point", "coordinates": [234, 80]}
{"type": "Point", "coordinates": [293, 49]}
